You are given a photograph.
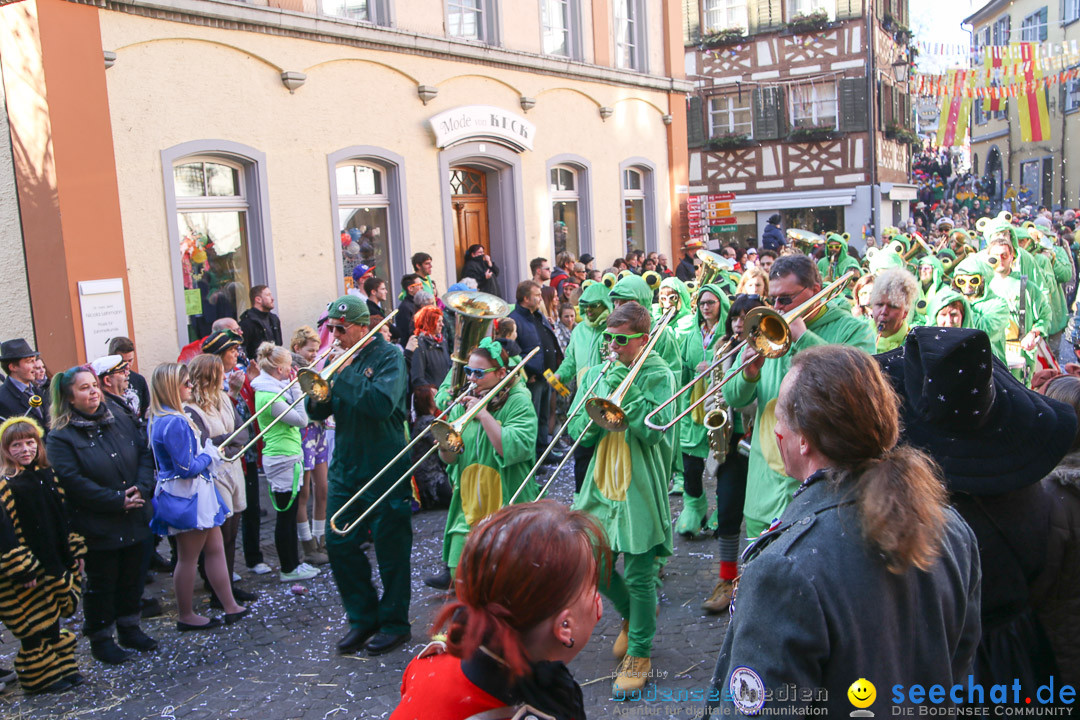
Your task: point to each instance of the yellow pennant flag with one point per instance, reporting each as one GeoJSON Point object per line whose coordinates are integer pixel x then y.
{"type": "Point", "coordinates": [1031, 103]}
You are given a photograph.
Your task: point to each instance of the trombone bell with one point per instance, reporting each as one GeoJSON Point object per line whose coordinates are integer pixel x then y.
{"type": "Point", "coordinates": [313, 384]}
{"type": "Point", "coordinates": [606, 414]}
{"type": "Point", "coordinates": [767, 332]}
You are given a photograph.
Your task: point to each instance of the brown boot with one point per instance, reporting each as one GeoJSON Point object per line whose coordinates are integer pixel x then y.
{"type": "Point", "coordinates": [632, 674]}
{"type": "Point", "coordinates": [312, 556]}
{"type": "Point", "coordinates": [720, 599]}
{"type": "Point", "coordinates": [622, 642]}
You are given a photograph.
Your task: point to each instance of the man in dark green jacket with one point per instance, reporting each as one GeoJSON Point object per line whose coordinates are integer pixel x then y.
{"type": "Point", "coordinates": [367, 401]}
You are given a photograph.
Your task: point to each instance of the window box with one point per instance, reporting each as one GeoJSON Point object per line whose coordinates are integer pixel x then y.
{"type": "Point", "coordinates": [902, 35]}
{"type": "Point", "coordinates": [813, 134]}
{"type": "Point", "coordinates": [815, 21]}
{"type": "Point", "coordinates": [730, 142]}
{"type": "Point", "coordinates": [904, 136]}
{"type": "Point", "coordinates": [723, 38]}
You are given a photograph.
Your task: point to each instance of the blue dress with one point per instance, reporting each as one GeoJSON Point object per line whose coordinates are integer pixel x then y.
{"type": "Point", "coordinates": [186, 497]}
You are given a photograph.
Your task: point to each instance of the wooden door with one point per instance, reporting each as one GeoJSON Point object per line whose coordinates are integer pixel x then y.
{"type": "Point", "coordinates": [469, 202]}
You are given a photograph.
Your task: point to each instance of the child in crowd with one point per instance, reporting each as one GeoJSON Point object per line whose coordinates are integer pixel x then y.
{"type": "Point", "coordinates": [312, 535]}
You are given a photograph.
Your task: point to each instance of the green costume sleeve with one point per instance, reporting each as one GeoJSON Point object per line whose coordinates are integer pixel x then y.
{"type": "Point", "coordinates": [442, 396]}
{"type": "Point", "coordinates": [580, 419]}
{"type": "Point", "coordinates": [370, 394]}
{"type": "Point", "coordinates": [519, 424]}
{"type": "Point", "coordinates": [738, 391]}
{"type": "Point", "coordinates": [1038, 301]}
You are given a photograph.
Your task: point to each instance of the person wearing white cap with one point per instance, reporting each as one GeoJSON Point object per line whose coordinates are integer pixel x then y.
{"type": "Point", "coordinates": [112, 373]}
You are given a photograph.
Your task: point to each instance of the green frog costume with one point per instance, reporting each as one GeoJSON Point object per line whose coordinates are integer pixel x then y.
{"type": "Point", "coordinates": [698, 347]}
{"type": "Point", "coordinates": [483, 480]}
{"type": "Point", "coordinates": [991, 313]}
{"type": "Point", "coordinates": [945, 297]}
{"type": "Point", "coordinates": [367, 401]}
{"type": "Point", "coordinates": [919, 312]}
{"type": "Point", "coordinates": [626, 490]}
{"type": "Point", "coordinates": [832, 267]}
{"type": "Point", "coordinates": [585, 348]}
{"type": "Point", "coordinates": [768, 490]}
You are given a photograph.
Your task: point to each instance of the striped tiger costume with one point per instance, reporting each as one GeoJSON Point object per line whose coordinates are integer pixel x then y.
{"type": "Point", "coordinates": [33, 613]}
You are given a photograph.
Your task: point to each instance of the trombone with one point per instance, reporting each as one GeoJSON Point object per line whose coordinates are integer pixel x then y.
{"type": "Point", "coordinates": [611, 358]}
{"type": "Point", "coordinates": [312, 383]}
{"type": "Point", "coordinates": [447, 438]}
{"type": "Point", "coordinates": [767, 332]}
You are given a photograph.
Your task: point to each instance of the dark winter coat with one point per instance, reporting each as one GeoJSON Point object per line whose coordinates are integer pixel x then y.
{"type": "Point", "coordinates": [1056, 594]}
{"type": "Point", "coordinates": [97, 458]}
{"type": "Point", "coordinates": [142, 391]}
{"type": "Point", "coordinates": [476, 268]}
{"type": "Point", "coordinates": [403, 321]}
{"type": "Point", "coordinates": [258, 327]}
{"type": "Point", "coordinates": [13, 402]}
{"type": "Point", "coordinates": [430, 362]}
{"type": "Point", "coordinates": [773, 238]}
{"type": "Point", "coordinates": [686, 270]}
{"type": "Point", "coordinates": [815, 606]}
{"type": "Point", "coordinates": [535, 331]}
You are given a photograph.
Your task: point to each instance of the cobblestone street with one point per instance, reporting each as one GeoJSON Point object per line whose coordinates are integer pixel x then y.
{"type": "Point", "coordinates": [280, 662]}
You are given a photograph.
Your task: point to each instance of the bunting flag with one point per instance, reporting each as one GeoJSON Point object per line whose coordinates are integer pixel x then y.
{"type": "Point", "coordinates": [953, 122]}
{"type": "Point", "coordinates": [1034, 116]}
{"type": "Point", "coordinates": [993, 68]}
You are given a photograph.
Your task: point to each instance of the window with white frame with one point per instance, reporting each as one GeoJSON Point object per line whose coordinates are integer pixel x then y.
{"type": "Point", "coordinates": [558, 21]}
{"type": "Point", "coordinates": [725, 15]}
{"type": "Point", "coordinates": [730, 115]}
{"type": "Point", "coordinates": [471, 19]}
{"type": "Point", "coordinates": [1033, 27]}
{"type": "Point", "coordinates": [212, 222]}
{"type": "Point", "coordinates": [634, 198]}
{"type": "Point", "coordinates": [797, 8]}
{"type": "Point", "coordinates": [813, 105]}
{"type": "Point", "coordinates": [1071, 11]}
{"type": "Point", "coordinates": [630, 34]}
{"type": "Point", "coordinates": [371, 11]}
{"type": "Point", "coordinates": [363, 202]}
{"type": "Point", "coordinates": [1002, 30]}
{"type": "Point", "coordinates": [1072, 95]}
{"type": "Point", "coordinates": [565, 204]}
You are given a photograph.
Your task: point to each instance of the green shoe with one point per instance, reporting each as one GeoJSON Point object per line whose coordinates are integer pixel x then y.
{"type": "Point", "coordinates": [692, 516]}
{"type": "Point", "coordinates": [677, 486]}
{"type": "Point", "coordinates": [714, 522]}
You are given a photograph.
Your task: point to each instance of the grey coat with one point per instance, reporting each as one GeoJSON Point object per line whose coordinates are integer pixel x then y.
{"type": "Point", "coordinates": [816, 607]}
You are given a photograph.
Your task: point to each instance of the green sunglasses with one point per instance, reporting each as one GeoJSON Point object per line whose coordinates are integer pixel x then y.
{"type": "Point", "coordinates": [619, 338]}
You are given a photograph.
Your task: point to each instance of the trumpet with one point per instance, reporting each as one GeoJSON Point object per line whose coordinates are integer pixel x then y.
{"type": "Point", "coordinates": [311, 383]}
{"type": "Point", "coordinates": [607, 412]}
{"type": "Point", "coordinates": [767, 332]}
{"type": "Point", "coordinates": [611, 358]}
{"type": "Point", "coordinates": [447, 438]}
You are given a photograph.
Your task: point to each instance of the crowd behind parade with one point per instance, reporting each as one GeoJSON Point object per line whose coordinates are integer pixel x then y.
{"type": "Point", "coordinates": [926, 499]}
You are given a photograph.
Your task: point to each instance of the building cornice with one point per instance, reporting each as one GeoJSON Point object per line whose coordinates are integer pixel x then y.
{"type": "Point", "coordinates": [277, 21]}
{"type": "Point", "coordinates": [986, 12]}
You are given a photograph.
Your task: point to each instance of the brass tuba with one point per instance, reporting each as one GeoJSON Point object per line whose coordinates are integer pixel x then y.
{"type": "Point", "coordinates": [474, 313]}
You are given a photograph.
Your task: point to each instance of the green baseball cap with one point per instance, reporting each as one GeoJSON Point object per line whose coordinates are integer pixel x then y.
{"type": "Point", "coordinates": [349, 308]}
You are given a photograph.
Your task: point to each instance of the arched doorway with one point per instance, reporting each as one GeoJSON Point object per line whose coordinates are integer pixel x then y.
{"type": "Point", "coordinates": [482, 203]}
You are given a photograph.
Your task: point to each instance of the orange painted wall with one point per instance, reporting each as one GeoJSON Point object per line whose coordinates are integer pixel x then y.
{"type": "Point", "coordinates": [54, 74]}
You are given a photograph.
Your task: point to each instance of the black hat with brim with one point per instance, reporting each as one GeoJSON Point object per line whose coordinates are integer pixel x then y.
{"type": "Point", "coordinates": [961, 405]}
{"type": "Point", "coordinates": [16, 349]}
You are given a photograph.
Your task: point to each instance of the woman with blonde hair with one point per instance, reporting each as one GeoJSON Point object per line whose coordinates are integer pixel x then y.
{"type": "Point", "coordinates": [868, 543]}
{"type": "Point", "coordinates": [187, 504]}
{"type": "Point", "coordinates": [312, 535]}
{"type": "Point", "coordinates": [215, 419]}
{"type": "Point", "coordinates": [754, 281]}
{"type": "Point", "coordinates": [283, 454]}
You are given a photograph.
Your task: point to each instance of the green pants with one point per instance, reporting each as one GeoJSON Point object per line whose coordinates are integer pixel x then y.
{"type": "Point", "coordinates": [634, 597]}
{"type": "Point", "coordinates": [390, 527]}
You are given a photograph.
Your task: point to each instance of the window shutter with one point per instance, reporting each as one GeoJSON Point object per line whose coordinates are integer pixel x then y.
{"type": "Point", "coordinates": [852, 104]}
{"type": "Point", "coordinates": [879, 8]}
{"type": "Point", "coordinates": [1042, 25]}
{"type": "Point", "coordinates": [768, 113]}
{"type": "Point", "coordinates": [767, 14]}
{"type": "Point", "coordinates": [691, 22]}
{"type": "Point", "coordinates": [695, 123]}
{"type": "Point", "coordinates": [847, 9]}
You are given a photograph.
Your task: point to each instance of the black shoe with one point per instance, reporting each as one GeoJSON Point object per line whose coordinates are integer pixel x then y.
{"type": "Point", "coordinates": [187, 627]}
{"type": "Point", "coordinates": [554, 457]}
{"type": "Point", "coordinates": [7, 676]}
{"type": "Point", "coordinates": [244, 596]}
{"type": "Point", "coordinates": [230, 618]}
{"type": "Point", "coordinates": [383, 643]}
{"type": "Point", "coordinates": [353, 640]}
{"type": "Point", "coordinates": [157, 562]}
{"type": "Point", "coordinates": [75, 679]}
{"type": "Point", "coordinates": [215, 602]}
{"type": "Point", "coordinates": [107, 651]}
{"type": "Point", "coordinates": [441, 581]}
{"type": "Point", "coordinates": [57, 687]}
{"type": "Point", "coordinates": [133, 637]}
{"type": "Point", "coordinates": [151, 608]}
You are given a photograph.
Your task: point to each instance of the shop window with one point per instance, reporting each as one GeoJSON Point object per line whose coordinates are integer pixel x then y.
{"type": "Point", "coordinates": [370, 11]}
{"type": "Point", "coordinates": [630, 35]}
{"type": "Point", "coordinates": [560, 22]}
{"type": "Point", "coordinates": [813, 106]}
{"type": "Point", "coordinates": [211, 216]}
{"type": "Point", "coordinates": [730, 115]}
{"type": "Point", "coordinates": [565, 204]}
{"type": "Point", "coordinates": [363, 220]}
{"type": "Point", "coordinates": [639, 215]}
{"type": "Point", "coordinates": [472, 20]}
{"type": "Point", "coordinates": [820, 220]}
{"type": "Point", "coordinates": [725, 15]}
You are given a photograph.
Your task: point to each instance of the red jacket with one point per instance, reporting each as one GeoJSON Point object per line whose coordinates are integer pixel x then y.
{"type": "Point", "coordinates": [190, 350]}
{"type": "Point", "coordinates": [434, 686]}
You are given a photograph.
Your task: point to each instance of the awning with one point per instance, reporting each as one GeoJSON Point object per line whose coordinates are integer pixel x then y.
{"type": "Point", "coordinates": [791, 200]}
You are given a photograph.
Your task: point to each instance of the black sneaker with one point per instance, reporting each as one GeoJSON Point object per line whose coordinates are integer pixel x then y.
{"type": "Point", "coordinates": [133, 637]}
{"type": "Point", "coordinates": [151, 608]}
{"type": "Point", "coordinates": [157, 562]}
{"type": "Point", "coordinates": [244, 596]}
{"type": "Point", "coordinates": [441, 581]}
{"type": "Point", "coordinates": [108, 652]}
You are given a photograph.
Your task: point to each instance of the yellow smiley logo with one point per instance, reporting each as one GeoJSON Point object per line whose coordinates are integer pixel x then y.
{"type": "Point", "coordinates": [862, 693]}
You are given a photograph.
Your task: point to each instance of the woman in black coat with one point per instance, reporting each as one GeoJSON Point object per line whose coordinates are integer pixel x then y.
{"type": "Point", "coordinates": [431, 358]}
{"type": "Point", "coordinates": [478, 266]}
{"type": "Point", "coordinates": [107, 472]}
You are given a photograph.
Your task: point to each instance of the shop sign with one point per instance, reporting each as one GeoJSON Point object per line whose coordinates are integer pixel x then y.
{"type": "Point", "coordinates": [482, 122]}
{"type": "Point", "coordinates": [723, 228]}
{"type": "Point", "coordinates": [104, 315]}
